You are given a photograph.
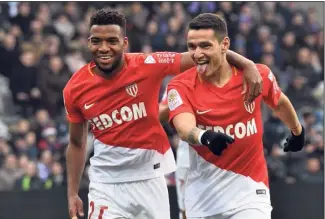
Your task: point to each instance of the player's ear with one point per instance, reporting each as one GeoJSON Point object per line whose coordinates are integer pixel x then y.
{"type": "Point", "coordinates": [125, 42]}
{"type": "Point", "coordinates": [88, 43]}
{"type": "Point", "coordinates": [225, 44]}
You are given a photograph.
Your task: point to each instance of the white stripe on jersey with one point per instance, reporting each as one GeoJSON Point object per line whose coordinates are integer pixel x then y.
{"type": "Point", "coordinates": [211, 190]}
{"type": "Point", "coordinates": [113, 164]}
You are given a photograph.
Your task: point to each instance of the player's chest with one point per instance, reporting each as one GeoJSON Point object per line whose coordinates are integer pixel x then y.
{"type": "Point", "coordinates": [223, 108]}
{"type": "Point", "coordinates": [121, 97]}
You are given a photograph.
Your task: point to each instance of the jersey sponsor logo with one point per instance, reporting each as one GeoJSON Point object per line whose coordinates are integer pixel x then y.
{"type": "Point", "coordinates": [88, 106]}
{"type": "Point", "coordinates": [166, 60]}
{"type": "Point", "coordinates": [119, 116]}
{"type": "Point", "coordinates": [238, 130]}
{"type": "Point", "coordinates": [166, 57]}
{"type": "Point", "coordinates": [249, 106]}
{"type": "Point", "coordinates": [202, 112]}
{"type": "Point", "coordinates": [174, 99]}
{"type": "Point", "coordinates": [165, 54]}
{"type": "Point", "coordinates": [132, 89]}
{"type": "Point", "coordinates": [150, 60]}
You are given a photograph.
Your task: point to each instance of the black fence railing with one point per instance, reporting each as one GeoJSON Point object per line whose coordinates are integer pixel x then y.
{"type": "Point", "coordinates": [290, 201]}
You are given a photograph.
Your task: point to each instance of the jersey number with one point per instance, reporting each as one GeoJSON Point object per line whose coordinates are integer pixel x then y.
{"type": "Point", "coordinates": [92, 209]}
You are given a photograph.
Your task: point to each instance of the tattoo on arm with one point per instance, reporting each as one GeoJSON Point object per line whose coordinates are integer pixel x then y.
{"type": "Point", "coordinates": [192, 136]}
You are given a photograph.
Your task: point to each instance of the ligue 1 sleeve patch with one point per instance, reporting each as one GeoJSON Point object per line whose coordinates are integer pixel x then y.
{"type": "Point", "coordinates": [174, 99]}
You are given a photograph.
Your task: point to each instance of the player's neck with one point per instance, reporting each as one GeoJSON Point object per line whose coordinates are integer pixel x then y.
{"type": "Point", "coordinates": [221, 75]}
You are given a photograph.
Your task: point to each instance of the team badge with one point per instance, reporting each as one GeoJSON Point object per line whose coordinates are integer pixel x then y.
{"type": "Point", "coordinates": [132, 90]}
{"type": "Point", "coordinates": [249, 106]}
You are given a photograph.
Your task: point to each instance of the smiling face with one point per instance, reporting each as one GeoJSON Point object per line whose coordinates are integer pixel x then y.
{"type": "Point", "coordinates": [107, 44]}
{"type": "Point", "coordinates": [206, 51]}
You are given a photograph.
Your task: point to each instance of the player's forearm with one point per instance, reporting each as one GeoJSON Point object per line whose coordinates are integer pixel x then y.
{"type": "Point", "coordinates": [287, 114]}
{"type": "Point", "coordinates": [232, 57]}
{"type": "Point", "coordinates": [238, 60]}
{"type": "Point", "coordinates": [185, 125]}
{"type": "Point", "coordinates": [76, 158]}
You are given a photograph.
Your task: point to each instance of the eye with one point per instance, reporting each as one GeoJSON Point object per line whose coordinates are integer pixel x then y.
{"type": "Point", "coordinates": [113, 41]}
{"type": "Point", "coordinates": [205, 46]}
{"type": "Point", "coordinates": [95, 41]}
{"type": "Point", "coordinates": [191, 47]}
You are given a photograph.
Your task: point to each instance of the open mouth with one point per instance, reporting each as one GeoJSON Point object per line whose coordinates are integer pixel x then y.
{"type": "Point", "coordinates": [202, 66]}
{"type": "Point", "coordinates": [105, 59]}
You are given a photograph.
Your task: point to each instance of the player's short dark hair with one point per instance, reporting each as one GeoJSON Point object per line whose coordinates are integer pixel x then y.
{"type": "Point", "coordinates": [107, 16]}
{"type": "Point", "coordinates": [210, 21]}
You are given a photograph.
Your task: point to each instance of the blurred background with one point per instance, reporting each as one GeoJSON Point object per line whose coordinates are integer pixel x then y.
{"type": "Point", "coordinates": [43, 43]}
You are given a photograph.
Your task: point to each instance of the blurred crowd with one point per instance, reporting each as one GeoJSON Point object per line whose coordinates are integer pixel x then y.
{"type": "Point", "coordinates": [43, 43]}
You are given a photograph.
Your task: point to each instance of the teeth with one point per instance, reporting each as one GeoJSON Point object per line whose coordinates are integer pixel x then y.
{"type": "Point", "coordinates": [106, 57]}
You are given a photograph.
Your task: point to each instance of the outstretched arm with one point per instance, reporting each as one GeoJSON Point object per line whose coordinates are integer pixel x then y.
{"type": "Point", "coordinates": [185, 125]}
{"type": "Point", "coordinates": [232, 57]}
{"type": "Point", "coordinates": [251, 74]}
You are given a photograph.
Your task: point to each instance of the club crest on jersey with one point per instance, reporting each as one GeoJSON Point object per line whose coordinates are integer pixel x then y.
{"type": "Point", "coordinates": [132, 89]}
{"type": "Point", "coordinates": [249, 106]}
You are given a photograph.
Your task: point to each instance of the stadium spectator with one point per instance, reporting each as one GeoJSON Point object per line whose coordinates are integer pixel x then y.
{"type": "Point", "coordinates": [30, 180]}
{"type": "Point", "coordinates": [9, 173]}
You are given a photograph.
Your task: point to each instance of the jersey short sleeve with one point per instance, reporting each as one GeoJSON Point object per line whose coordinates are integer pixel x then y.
{"type": "Point", "coordinates": [168, 63]}
{"type": "Point", "coordinates": [73, 113]}
{"type": "Point", "coordinates": [177, 99]}
{"type": "Point", "coordinates": [271, 89]}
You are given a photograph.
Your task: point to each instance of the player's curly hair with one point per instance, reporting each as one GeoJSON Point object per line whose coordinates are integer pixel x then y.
{"type": "Point", "coordinates": [210, 21]}
{"type": "Point", "coordinates": [107, 16]}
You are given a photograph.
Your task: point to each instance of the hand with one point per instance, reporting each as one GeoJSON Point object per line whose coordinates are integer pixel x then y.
{"type": "Point", "coordinates": [35, 92]}
{"type": "Point", "coordinates": [216, 141]}
{"type": "Point", "coordinates": [183, 214]}
{"type": "Point", "coordinates": [294, 142]}
{"type": "Point", "coordinates": [252, 79]}
{"type": "Point", "coordinates": [75, 206]}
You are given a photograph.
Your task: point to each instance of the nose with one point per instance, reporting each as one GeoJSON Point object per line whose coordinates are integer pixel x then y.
{"type": "Point", "coordinates": [104, 47]}
{"type": "Point", "coordinates": [198, 53]}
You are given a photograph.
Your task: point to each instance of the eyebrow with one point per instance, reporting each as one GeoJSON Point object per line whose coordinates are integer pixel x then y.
{"type": "Point", "coordinates": [109, 38]}
{"type": "Point", "coordinates": [200, 43]}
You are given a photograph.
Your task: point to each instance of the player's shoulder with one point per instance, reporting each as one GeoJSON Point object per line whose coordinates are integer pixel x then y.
{"type": "Point", "coordinates": [187, 78]}
{"type": "Point", "coordinates": [136, 60]}
{"type": "Point", "coordinates": [140, 59]}
{"type": "Point", "coordinates": [78, 76]}
{"type": "Point", "coordinates": [263, 69]}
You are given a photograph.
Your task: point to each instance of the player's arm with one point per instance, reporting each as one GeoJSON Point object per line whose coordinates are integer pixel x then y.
{"type": "Point", "coordinates": [184, 121]}
{"type": "Point", "coordinates": [251, 74]}
{"type": "Point", "coordinates": [76, 155]}
{"type": "Point", "coordinates": [163, 112]}
{"type": "Point", "coordinates": [185, 125]}
{"type": "Point", "coordinates": [287, 114]}
{"type": "Point", "coordinates": [283, 109]}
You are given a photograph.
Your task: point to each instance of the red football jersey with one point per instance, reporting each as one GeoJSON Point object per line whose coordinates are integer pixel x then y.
{"type": "Point", "coordinates": [241, 168]}
{"type": "Point", "coordinates": [123, 112]}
